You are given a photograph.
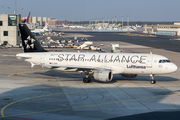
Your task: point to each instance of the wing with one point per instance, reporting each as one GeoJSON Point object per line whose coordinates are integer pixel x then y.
{"type": "Point", "coordinates": [79, 68]}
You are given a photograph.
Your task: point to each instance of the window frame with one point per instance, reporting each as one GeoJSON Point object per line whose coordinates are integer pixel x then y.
{"type": "Point", "coordinates": [11, 20]}
{"type": "Point", "coordinates": [1, 23]}
{"type": "Point", "coordinates": [5, 33]}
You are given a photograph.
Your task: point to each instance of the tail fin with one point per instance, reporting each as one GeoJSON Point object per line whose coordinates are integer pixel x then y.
{"type": "Point", "coordinates": [46, 27]}
{"type": "Point", "coordinates": [29, 42]}
{"type": "Point", "coordinates": [26, 19]}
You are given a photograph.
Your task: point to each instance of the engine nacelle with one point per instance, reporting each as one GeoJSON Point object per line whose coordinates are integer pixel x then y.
{"type": "Point", "coordinates": [103, 75]}
{"type": "Point", "coordinates": [129, 75]}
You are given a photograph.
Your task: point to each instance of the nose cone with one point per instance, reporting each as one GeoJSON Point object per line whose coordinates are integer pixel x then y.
{"type": "Point", "coordinates": [174, 67]}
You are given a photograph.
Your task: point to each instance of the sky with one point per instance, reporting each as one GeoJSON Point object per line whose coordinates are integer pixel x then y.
{"type": "Point", "coordinates": [84, 10]}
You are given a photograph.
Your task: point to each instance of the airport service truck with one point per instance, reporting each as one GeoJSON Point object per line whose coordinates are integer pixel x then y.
{"type": "Point", "coordinates": [115, 48]}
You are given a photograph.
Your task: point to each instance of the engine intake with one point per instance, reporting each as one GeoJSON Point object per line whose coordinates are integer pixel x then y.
{"type": "Point", "coordinates": [103, 75]}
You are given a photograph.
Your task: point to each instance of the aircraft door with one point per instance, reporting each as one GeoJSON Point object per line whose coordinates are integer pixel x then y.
{"type": "Point", "coordinates": [42, 59]}
{"type": "Point", "coordinates": [149, 61]}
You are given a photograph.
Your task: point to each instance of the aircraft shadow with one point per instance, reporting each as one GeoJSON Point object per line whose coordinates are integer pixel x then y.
{"type": "Point", "coordinates": [58, 101]}
{"type": "Point", "coordinates": [115, 77]}
{"type": "Point", "coordinates": [158, 115]}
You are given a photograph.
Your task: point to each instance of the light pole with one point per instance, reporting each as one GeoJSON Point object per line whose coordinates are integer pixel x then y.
{"type": "Point", "coordinates": [15, 7]}
{"type": "Point", "coordinates": [112, 20]}
{"type": "Point", "coordinates": [2, 8]}
{"type": "Point", "coordinates": [103, 23]}
{"type": "Point", "coordinates": [116, 20]}
{"type": "Point", "coordinates": [108, 20]}
{"type": "Point", "coordinates": [122, 22]}
{"type": "Point", "coordinates": [22, 11]}
{"type": "Point", "coordinates": [128, 20]}
{"type": "Point", "coordinates": [8, 9]}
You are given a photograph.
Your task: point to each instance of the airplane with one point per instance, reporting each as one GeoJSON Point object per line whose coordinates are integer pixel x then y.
{"type": "Point", "coordinates": [100, 66]}
{"type": "Point", "coordinates": [45, 29]}
{"type": "Point", "coordinates": [76, 26]}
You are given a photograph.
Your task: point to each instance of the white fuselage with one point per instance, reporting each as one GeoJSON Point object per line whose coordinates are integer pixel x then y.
{"type": "Point", "coordinates": [118, 63]}
{"type": "Point", "coordinates": [40, 30]}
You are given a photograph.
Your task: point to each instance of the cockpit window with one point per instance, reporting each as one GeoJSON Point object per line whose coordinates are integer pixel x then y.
{"type": "Point", "coordinates": [168, 61]}
{"type": "Point", "coordinates": [164, 61]}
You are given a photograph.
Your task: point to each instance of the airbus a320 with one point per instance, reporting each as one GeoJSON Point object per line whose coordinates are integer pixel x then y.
{"type": "Point", "coordinates": [100, 66]}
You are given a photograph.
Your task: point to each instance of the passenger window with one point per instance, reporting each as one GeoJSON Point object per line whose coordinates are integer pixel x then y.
{"type": "Point", "coordinates": [168, 61]}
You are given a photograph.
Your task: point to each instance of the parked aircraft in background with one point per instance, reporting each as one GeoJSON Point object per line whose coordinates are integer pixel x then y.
{"type": "Point", "coordinates": [100, 66]}
{"type": "Point", "coordinates": [45, 29]}
{"type": "Point", "coordinates": [72, 26]}
{"type": "Point", "coordinates": [26, 20]}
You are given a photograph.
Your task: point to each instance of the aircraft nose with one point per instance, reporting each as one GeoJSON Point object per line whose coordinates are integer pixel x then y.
{"type": "Point", "coordinates": [174, 67]}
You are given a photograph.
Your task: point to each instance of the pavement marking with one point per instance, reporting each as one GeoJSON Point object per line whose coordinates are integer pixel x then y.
{"type": "Point", "coordinates": [10, 55]}
{"type": "Point", "coordinates": [133, 34]}
{"type": "Point", "coordinates": [25, 72]}
{"type": "Point", "coordinates": [3, 54]}
{"type": "Point", "coordinates": [81, 106]}
{"type": "Point", "coordinates": [2, 110]}
{"type": "Point", "coordinates": [39, 71]}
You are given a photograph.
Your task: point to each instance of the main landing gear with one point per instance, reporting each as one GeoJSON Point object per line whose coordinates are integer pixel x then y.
{"type": "Point", "coordinates": [87, 79]}
{"type": "Point", "coordinates": [152, 79]}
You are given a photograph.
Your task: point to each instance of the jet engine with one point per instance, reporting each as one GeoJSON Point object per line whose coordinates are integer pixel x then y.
{"type": "Point", "coordinates": [129, 75]}
{"type": "Point", "coordinates": [103, 75]}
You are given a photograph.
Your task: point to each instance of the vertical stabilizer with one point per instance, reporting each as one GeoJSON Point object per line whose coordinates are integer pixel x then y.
{"type": "Point", "coordinates": [28, 17]}
{"type": "Point", "coordinates": [46, 27]}
{"type": "Point", "coordinates": [29, 42]}
{"type": "Point", "coordinates": [26, 20]}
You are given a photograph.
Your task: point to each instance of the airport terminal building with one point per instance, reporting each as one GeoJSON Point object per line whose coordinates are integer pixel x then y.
{"type": "Point", "coordinates": [9, 29]}
{"type": "Point", "coordinates": [173, 30]}
{"type": "Point", "coordinates": [41, 22]}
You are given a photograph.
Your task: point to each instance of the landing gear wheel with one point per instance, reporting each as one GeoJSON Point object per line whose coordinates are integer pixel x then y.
{"type": "Point", "coordinates": [85, 80]}
{"type": "Point", "coordinates": [89, 79]}
{"type": "Point", "coordinates": [152, 79]}
{"type": "Point", "coordinates": [153, 82]}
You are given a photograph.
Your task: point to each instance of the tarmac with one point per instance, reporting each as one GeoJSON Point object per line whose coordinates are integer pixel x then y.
{"type": "Point", "coordinates": [41, 94]}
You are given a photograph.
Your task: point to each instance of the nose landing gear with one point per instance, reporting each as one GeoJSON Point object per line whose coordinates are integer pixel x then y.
{"type": "Point", "coordinates": [87, 79]}
{"type": "Point", "coordinates": [152, 79]}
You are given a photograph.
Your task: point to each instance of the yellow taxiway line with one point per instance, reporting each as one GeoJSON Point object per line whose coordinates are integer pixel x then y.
{"type": "Point", "coordinates": [26, 72]}
{"type": "Point", "coordinates": [2, 54]}
{"type": "Point", "coordinates": [2, 111]}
